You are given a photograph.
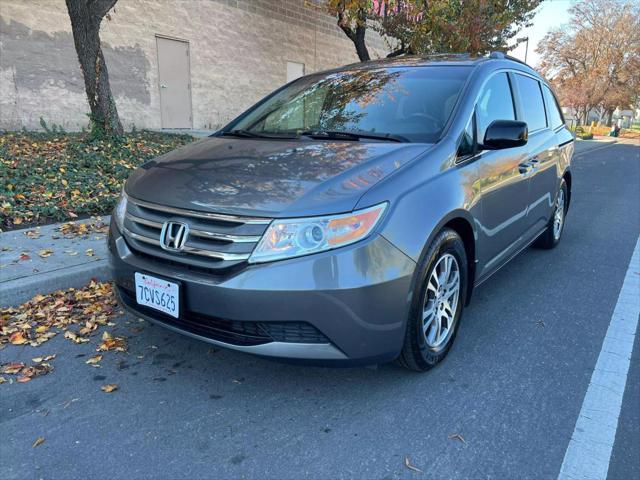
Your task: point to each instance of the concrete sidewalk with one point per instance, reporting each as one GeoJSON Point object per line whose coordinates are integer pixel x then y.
{"type": "Point", "coordinates": [49, 258]}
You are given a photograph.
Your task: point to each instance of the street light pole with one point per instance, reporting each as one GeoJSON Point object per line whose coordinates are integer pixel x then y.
{"type": "Point", "coordinates": [526, 49]}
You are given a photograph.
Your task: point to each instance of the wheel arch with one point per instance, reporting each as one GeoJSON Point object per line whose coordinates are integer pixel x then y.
{"type": "Point", "coordinates": [568, 179]}
{"type": "Point", "coordinates": [462, 223]}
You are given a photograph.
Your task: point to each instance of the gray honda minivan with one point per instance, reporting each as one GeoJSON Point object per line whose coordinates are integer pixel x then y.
{"type": "Point", "coordinates": [347, 217]}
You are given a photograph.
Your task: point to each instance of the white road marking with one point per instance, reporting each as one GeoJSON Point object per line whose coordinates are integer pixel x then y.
{"type": "Point", "coordinates": [589, 450]}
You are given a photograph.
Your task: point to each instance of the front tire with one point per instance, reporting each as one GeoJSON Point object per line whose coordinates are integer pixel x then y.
{"type": "Point", "coordinates": [553, 234]}
{"type": "Point", "coordinates": [438, 300]}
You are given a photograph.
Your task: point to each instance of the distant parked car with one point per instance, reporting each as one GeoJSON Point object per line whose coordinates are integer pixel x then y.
{"type": "Point", "coordinates": [348, 216]}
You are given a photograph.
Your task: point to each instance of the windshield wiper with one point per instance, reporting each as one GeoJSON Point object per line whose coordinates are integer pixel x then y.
{"type": "Point", "coordinates": [249, 134]}
{"type": "Point", "coordinates": [341, 135]}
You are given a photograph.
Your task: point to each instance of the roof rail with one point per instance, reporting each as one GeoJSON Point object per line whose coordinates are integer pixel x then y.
{"type": "Point", "coordinates": [436, 55]}
{"type": "Point", "coordinates": [504, 56]}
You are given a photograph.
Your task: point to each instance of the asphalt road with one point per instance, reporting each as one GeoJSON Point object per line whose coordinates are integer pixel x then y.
{"type": "Point", "coordinates": [512, 386]}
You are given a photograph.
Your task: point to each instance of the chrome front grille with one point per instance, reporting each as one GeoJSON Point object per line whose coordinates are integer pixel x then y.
{"type": "Point", "coordinates": [215, 240]}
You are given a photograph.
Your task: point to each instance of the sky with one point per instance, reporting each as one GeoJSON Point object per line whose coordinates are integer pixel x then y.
{"type": "Point", "coordinates": [551, 14]}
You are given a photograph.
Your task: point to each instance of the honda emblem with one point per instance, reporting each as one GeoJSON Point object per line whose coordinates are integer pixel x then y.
{"type": "Point", "coordinates": [174, 236]}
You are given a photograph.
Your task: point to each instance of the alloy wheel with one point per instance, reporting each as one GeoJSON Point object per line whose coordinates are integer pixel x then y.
{"type": "Point", "coordinates": [558, 216]}
{"type": "Point", "coordinates": [441, 301]}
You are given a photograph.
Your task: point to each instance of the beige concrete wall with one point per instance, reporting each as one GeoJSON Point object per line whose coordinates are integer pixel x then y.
{"type": "Point", "coordinates": [239, 50]}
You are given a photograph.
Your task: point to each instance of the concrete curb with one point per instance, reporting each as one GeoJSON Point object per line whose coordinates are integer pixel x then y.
{"type": "Point", "coordinates": [48, 261]}
{"type": "Point", "coordinates": [20, 290]}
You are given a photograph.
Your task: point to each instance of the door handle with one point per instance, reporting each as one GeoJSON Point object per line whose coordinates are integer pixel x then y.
{"type": "Point", "coordinates": [525, 168]}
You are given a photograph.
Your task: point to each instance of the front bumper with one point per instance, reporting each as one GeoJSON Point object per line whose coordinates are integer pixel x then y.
{"type": "Point", "coordinates": [347, 306]}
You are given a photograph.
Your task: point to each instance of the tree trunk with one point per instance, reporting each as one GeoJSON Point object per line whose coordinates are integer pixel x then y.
{"type": "Point", "coordinates": [361, 46]}
{"type": "Point", "coordinates": [609, 117]}
{"type": "Point", "coordinates": [86, 16]}
{"type": "Point", "coordinates": [357, 36]}
{"type": "Point", "coordinates": [583, 118]}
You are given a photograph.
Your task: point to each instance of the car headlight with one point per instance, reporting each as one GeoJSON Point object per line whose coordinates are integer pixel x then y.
{"type": "Point", "coordinates": [302, 236]}
{"type": "Point", "coordinates": [120, 211]}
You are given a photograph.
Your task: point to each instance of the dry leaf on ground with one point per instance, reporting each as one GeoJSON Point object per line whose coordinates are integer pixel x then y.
{"type": "Point", "coordinates": [407, 463]}
{"type": "Point", "coordinates": [74, 229]}
{"type": "Point", "coordinates": [45, 252]}
{"type": "Point", "coordinates": [110, 342]}
{"type": "Point", "coordinates": [74, 337]}
{"type": "Point", "coordinates": [94, 360]}
{"type": "Point", "coordinates": [46, 358]}
{"type": "Point", "coordinates": [457, 436]}
{"type": "Point", "coordinates": [17, 338]}
{"type": "Point", "coordinates": [39, 441]}
{"type": "Point", "coordinates": [11, 368]}
{"type": "Point", "coordinates": [25, 372]}
{"type": "Point", "coordinates": [40, 319]}
{"type": "Point", "coordinates": [110, 387]}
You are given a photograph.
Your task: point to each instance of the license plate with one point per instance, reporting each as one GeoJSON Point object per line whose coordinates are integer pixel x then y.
{"type": "Point", "coordinates": [157, 293]}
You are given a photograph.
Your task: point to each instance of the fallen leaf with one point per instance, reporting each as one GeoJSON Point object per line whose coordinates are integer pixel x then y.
{"type": "Point", "coordinates": [17, 338]}
{"type": "Point", "coordinates": [71, 253]}
{"type": "Point", "coordinates": [89, 252]}
{"type": "Point", "coordinates": [32, 234]}
{"type": "Point", "coordinates": [457, 436]}
{"type": "Point", "coordinates": [43, 359]}
{"type": "Point", "coordinates": [74, 337]}
{"type": "Point", "coordinates": [44, 316]}
{"type": "Point", "coordinates": [110, 342]}
{"type": "Point", "coordinates": [2, 380]}
{"type": "Point", "coordinates": [23, 379]}
{"type": "Point", "coordinates": [407, 463]}
{"type": "Point", "coordinates": [110, 387]}
{"type": "Point", "coordinates": [39, 441]}
{"type": "Point", "coordinates": [93, 360]}
{"type": "Point", "coordinates": [44, 253]}
{"type": "Point", "coordinates": [24, 256]}
{"type": "Point", "coordinates": [12, 368]}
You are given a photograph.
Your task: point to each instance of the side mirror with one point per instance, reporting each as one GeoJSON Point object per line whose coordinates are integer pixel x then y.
{"type": "Point", "coordinates": [505, 134]}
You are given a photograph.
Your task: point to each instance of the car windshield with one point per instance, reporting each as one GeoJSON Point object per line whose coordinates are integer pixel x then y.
{"type": "Point", "coordinates": [413, 104]}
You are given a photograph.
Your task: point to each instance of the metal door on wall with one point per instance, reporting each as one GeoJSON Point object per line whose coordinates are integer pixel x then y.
{"type": "Point", "coordinates": [174, 80]}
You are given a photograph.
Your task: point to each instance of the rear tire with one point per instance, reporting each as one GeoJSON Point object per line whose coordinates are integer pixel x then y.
{"type": "Point", "coordinates": [553, 234]}
{"type": "Point", "coordinates": [438, 300]}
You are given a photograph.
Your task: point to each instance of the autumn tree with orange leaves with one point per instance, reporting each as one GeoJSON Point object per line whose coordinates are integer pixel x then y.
{"type": "Point", "coordinates": [594, 60]}
{"type": "Point", "coordinates": [433, 26]}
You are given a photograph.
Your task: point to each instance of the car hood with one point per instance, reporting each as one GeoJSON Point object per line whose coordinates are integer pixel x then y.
{"type": "Point", "coordinates": [271, 178]}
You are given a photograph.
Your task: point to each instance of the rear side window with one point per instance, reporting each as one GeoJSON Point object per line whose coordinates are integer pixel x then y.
{"type": "Point", "coordinates": [532, 103]}
{"type": "Point", "coordinates": [495, 103]}
{"type": "Point", "coordinates": [553, 110]}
